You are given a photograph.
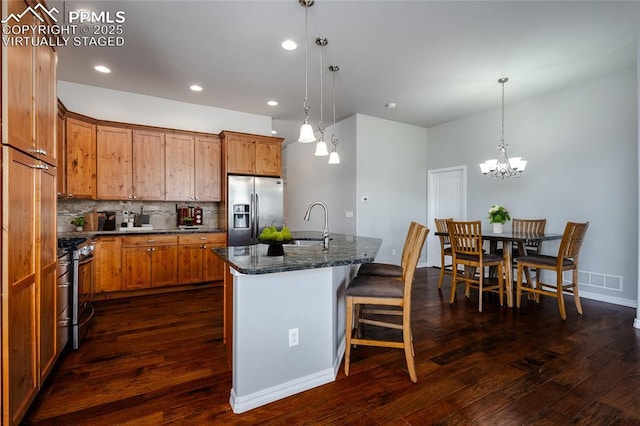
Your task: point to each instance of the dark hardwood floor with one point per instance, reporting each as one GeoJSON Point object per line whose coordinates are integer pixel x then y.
{"type": "Point", "coordinates": [160, 360]}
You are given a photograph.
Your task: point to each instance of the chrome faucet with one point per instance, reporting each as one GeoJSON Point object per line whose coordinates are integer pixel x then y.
{"type": "Point", "coordinates": [325, 231]}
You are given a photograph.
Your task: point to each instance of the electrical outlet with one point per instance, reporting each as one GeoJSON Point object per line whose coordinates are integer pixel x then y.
{"type": "Point", "coordinates": [293, 337]}
{"type": "Point", "coordinates": [393, 252]}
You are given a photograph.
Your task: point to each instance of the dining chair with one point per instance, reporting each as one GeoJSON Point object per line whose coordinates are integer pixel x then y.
{"type": "Point", "coordinates": [466, 244]}
{"type": "Point", "coordinates": [526, 226]}
{"type": "Point", "coordinates": [387, 269]}
{"type": "Point", "coordinates": [565, 260]}
{"type": "Point", "coordinates": [384, 302]}
{"type": "Point", "coordinates": [445, 249]}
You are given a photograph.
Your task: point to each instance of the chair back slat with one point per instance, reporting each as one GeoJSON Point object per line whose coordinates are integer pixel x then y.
{"type": "Point", "coordinates": [530, 226]}
{"type": "Point", "coordinates": [572, 240]}
{"type": "Point", "coordinates": [466, 237]}
{"type": "Point", "coordinates": [414, 249]}
{"type": "Point", "coordinates": [441, 226]}
{"type": "Point", "coordinates": [413, 228]}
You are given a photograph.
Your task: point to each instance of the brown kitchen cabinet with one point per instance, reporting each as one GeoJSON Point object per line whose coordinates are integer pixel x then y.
{"type": "Point", "coordinates": [108, 264]}
{"type": "Point", "coordinates": [207, 171]}
{"type": "Point", "coordinates": [29, 281]}
{"type": "Point", "coordinates": [45, 104]}
{"type": "Point", "coordinates": [80, 159]}
{"type": "Point", "coordinates": [61, 156]}
{"type": "Point", "coordinates": [149, 261]}
{"type": "Point", "coordinates": [47, 266]}
{"type": "Point", "coordinates": [28, 233]}
{"type": "Point", "coordinates": [196, 261]}
{"type": "Point", "coordinates": [148, 165]}
{"type": "Point", "coordinates": [179, 152]}
{"type": "Point", "coordinates": [114, 173]}
{"type": "Point", "coordinates": [252, 154]}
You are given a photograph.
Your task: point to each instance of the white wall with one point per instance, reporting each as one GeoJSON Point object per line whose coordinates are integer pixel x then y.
{"type": "Point", "coordinates": [389, 169]}
{"type": "Point", "coordinates": [310, 178]}
{"type": "Point", "coordinates": [582, 148]}
{"type": "Point", "coordinates": [392, 174]}
{"type": "Point", "coordinates": [114, 105]}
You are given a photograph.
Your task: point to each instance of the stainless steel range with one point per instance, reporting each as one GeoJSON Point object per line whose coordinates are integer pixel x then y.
{"type": "Point", "coordinates": [82, 286]}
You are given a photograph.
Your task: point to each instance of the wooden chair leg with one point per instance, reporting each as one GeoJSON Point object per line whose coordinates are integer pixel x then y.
{"type": "Point", "coordinates": [563, 311]}
{"type": "Point", "coordinates": [501, 284]}
{"type": "Point", "coordinates": [480, 279]}
{"type": "Point", "coordinates": [349, 321]}
{"type": "Point", "coordinates": [441, 279]}
{"type": "Point", "coordinates": [519, 286]}
{"type": "Point", "coordinates": [408, 352]}
{"type": "Point", "coordinates": [576, 295]}
{"type": "Point", "coordinates": [454, 282]}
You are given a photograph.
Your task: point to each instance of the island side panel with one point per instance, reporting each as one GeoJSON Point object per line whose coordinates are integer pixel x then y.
{"type": "Point", "coordinates": [265, 307]}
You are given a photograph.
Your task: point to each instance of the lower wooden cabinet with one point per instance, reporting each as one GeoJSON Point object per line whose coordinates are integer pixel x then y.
{"type": "Point", "coordinates": [197, 263]}
{"type": "Point", "coordinates": [135, 262]}
{"type": "Point", "coordinates": [149, 261]}
{"type": "Point", "coordinates": [108, 264]}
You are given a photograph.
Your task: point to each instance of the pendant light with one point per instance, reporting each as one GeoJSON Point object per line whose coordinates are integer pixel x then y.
{"type": "Point", "coordinates": [321, 146]}
{"type": "Point", "coordinates": [334, 158]}
{"type": "Point", "coordinates": [306, 131]}
{"type": "Point", "coordinates": [503, 166]}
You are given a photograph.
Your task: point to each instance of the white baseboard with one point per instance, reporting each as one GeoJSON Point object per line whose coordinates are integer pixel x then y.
{"type": "Point", "coordinates": [636, 322]}
{"type": "Point", "coordinates": [265, 396]}
{"type": "Point", "coordinates": [608, 299]}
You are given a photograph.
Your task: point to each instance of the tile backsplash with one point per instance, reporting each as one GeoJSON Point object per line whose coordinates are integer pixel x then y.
{"type": "Point", "coordinates": [162, 214]}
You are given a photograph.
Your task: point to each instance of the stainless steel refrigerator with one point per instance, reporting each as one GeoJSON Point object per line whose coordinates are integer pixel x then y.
{"type": "Point", "coordinates": [253, 204]}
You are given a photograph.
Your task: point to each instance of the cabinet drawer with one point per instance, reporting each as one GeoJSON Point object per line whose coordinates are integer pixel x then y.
{"type": "Point", "coordinates": [218, 238]}
{"type": "Point", "coordinates": [149, 240]}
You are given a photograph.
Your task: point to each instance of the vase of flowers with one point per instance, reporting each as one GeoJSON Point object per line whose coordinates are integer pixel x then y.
{"type": "Point", "coordinates": [498, 216]}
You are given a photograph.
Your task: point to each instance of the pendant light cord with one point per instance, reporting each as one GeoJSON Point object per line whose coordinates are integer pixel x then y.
{"type": "Point", "coordinates": [306, 60]}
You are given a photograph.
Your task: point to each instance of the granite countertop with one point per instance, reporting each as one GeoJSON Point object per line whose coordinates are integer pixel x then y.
{"type": "Point", "coordinates": [140, 231]}
{"type": "Point", "coordinates": [343, 250]}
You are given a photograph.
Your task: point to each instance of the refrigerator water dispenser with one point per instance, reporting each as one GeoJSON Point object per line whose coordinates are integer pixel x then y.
{"type": "Point", "coordinates": [241, 216]}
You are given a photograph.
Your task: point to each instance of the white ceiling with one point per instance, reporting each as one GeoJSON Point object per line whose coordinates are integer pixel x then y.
{"type": "Point", "coordinates": [437, 60]}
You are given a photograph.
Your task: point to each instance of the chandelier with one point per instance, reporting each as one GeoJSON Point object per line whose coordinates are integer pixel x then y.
{"type": "Point", "coordinates": [503, 166]}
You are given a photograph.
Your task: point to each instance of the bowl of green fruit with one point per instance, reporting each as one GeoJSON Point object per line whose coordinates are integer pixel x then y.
{"type": "Point", "coordinates": [275, 239]}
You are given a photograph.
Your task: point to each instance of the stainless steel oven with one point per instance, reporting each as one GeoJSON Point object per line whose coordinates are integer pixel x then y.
{"type": "Point", "coordinates": [82, 255]}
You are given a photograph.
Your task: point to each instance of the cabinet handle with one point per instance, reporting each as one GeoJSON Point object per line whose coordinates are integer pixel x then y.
{"type": "Point", "coordinates": [41, 167]}
{"type": "Point", "coordinates": [151, 241]}
{"type": "Point", "coordinates": [149, 249]}
{"type": "Point", "coordinates": [42, 151]}
{"type": "Point", "coordinates": [203, 238]}
{"type": "Point", "coordinates": [69, 195]}
{"type": "Point", "coordinates": [153, 249]}
{"type": "Point", "coordinates": [64, 285]}
{"type": "Point", "coordinates": [64, 322]}
{"type": "Point", "coordinates": [204, 247]}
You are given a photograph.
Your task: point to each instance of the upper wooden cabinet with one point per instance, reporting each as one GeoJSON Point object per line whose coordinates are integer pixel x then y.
{"type": "Point", "coordinates": [30, 76]}
{"type": "Point", "coordinates": [207, 170]}
{"type": "Point", "coordinates": [46, 104]}
{"type": "Point", "coordinates": [62, 158]}
{"type": "Point", "coordinates": [192, 168]}
{"type": "Point", "coordinates": [252, 154]}
{"type": "Point", "coordinates": [179, 151]}
{"type": "Point", "coordinates": [148, 165]}
{"type": "Point", "coordinates": [114, 174]}
{"type": "Point", "coordinates": [81, 159]}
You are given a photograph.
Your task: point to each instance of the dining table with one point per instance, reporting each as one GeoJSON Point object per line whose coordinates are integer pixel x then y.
{"type": "Point", "coordinates": [508, 239]}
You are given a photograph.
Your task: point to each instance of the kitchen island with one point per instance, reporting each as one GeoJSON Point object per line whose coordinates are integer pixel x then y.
{"type": "Point", "coordinates": [285, 315]}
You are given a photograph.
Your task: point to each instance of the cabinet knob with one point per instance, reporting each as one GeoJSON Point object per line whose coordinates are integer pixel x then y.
{"type": "Point", "coordinates": [204, 247]}
{"type": "Point", "coordinates": [69, 195]}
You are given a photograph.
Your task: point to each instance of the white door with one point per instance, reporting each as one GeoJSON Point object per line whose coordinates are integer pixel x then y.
{"type": "Point", "coordinates": [447, 197]}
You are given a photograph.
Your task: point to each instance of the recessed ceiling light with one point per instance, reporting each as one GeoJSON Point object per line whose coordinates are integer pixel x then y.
{"type": "Point", "coordinates": [102, 69]}
{"type": "Point", "coordinates": [195, 88]}
{"type": "Point", "coordinates": [272, 103]}
{"type": "Point", "coordinates": [391, 105]}
{"type": "Point", "coordinates": [289, 45]}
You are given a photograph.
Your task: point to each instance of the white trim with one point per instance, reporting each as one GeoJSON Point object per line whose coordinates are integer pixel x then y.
{"type": "Point", "coordinates": [608, 299]}
{"type": "Point", "coordinates": [265, 396]}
